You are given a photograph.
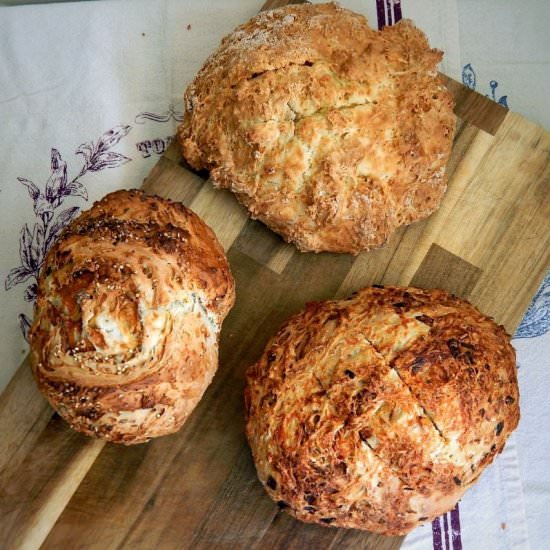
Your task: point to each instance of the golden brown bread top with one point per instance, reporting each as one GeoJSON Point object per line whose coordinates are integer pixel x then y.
{"type": "Point", "coordinates": [379, 411]}
{"type": "Point", "coordinates": [130, 302]}
{"type": "Point", "coordinates": [330, 132]}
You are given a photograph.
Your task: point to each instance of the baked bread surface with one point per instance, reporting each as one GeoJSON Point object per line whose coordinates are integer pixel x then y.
{"type": "Point", "coordinates": [379, 411]}
{"type": "Point", "coordinates": [130, 302]}
{"type": "Point", "coordinates": [331, 133]}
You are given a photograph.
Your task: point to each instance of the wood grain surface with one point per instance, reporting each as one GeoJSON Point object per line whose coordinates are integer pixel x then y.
{"type": "Point", "coordinates": [489, 243]}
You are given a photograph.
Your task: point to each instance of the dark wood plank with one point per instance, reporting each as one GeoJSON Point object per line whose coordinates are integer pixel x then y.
{"type": "Point", "coordinates": [259, 242]}
{"type": "Point", "coordinates": [442, 269]}
{"type": "Point", "coordinates": [474, 108]}
{"type": "Point", "coordinates": [32, 500]}
{"type": "Point", "coordinates": [242, 506]}
{"type": "Point", "coordinates": [184, 185]}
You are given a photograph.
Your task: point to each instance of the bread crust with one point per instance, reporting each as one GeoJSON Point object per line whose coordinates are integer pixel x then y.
{"type": "Point", "coordinates": [331, 133]}
{"type": "Point", "coordinates": [130, 302]}
{"type": "Point", "coordinates": [379, 411]}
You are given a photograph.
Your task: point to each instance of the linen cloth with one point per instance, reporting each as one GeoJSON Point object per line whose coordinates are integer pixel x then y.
{"type": "Point", "coordinates": [90, 95]}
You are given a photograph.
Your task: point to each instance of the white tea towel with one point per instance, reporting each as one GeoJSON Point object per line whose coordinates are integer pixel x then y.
{"type": "Point", "coordinates": [505, 53]}
{"type": "Point", "coordinates": [90, 94]}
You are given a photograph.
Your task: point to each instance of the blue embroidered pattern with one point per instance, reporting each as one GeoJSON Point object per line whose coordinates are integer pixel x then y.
{"type": "Point", "coordinates": [502, 100]}
{"type": "Point", "coordinates": [469, 79]}
{"type": "Point", "coordinates": [537, 319]}
{"type": "Point", "coordinates": [469, 76]}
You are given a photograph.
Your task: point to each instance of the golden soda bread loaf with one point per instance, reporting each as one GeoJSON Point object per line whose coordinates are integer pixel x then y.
{"type": "Point", "coordinates": [130, 303]}
{"type": "Point", "coordinates": [379, 411]}
{"type": "Point", "coordinates": [331, 133]}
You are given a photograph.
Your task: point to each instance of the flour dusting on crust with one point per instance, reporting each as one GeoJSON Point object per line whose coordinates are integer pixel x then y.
{"type": "Point", "coordinates": [331, 133]}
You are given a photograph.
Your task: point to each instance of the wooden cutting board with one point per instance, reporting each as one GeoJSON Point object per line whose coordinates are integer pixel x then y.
{"type": "Point", "coordinates": [489, 243]}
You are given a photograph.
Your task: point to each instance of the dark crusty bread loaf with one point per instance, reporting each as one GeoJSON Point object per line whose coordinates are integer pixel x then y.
{"type": "Point", "coordinates": [379, 411]}
{"type": "Point", "coordinates": [130, 302]}
{"type": "Point", "coordinates": [331, 133]}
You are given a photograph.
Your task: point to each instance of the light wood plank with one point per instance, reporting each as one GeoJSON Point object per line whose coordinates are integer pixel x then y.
{"type": "Point", "coordinates": [24, 414]}
{"type": "Point", "coordinates": [34, 497]}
